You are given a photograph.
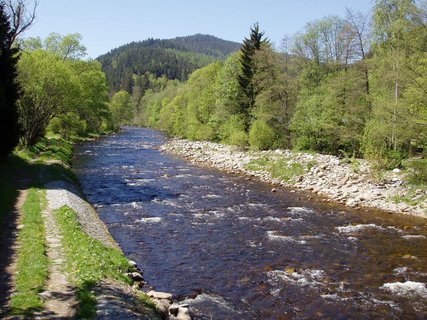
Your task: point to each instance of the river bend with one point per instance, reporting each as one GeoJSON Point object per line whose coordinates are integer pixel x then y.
{"type": "Point", "coordinates": [239, 251]}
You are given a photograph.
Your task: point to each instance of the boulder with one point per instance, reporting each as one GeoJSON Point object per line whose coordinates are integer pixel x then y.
{"type": "Point", "coordinates": [179, 312]}
{"type": "Point", "coordinates": [136, 276]}
{"type": "Point", "coordinates": [159, 295]}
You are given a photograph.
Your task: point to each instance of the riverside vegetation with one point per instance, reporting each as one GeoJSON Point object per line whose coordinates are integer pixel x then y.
{"type": "Point", "coordinates": [338, 87]}
{"type": "Point", "coordinates": [89, 263]}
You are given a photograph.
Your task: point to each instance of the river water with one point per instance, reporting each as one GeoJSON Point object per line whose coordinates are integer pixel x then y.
{"type": "Point", "coordinates": [235, 250]}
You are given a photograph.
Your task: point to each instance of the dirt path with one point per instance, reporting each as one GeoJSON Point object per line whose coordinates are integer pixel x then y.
{"type": "Point", "coordinates": [60, 300]}
{"type": "Point", "coordinates": [8, 248]}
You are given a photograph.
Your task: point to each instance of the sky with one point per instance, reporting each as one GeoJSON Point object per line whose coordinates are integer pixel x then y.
{"type": "Point", "coordinates": [107, 24]}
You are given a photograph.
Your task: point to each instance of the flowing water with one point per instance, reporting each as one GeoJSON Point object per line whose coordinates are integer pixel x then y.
{"type": "Point", "coordinates": [235, 250]}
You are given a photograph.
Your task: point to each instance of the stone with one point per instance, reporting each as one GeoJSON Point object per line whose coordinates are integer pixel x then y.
{"type": "Point", "coordinates": [45, 295]}
{"type": "Point", "coordinates": [396, 170]}
{"type": "Point", "coordinates": [136, 276]}
{"type": "Point", "coordinates": [274, 190]}
{"type": "Point", "coordinates": [133, 264]}
{"type": "Point", "coordinates": [290, 270]}
{"type": "Point", "coordinates": [179, 312]}
{"type": "Point", "coordinates": [162, 306]}
{"type": "Point", "coordinates": [159, 295]}
{"type": "Point", "coordinates": [183, 314]}
{"type": "Point", "coordinates": [173, 309]}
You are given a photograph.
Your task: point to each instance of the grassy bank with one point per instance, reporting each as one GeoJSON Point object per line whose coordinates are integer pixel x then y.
{"type": "Point", "coordinates": [32, 262]}
{"type": "Point", "coordinates": [88, 260]}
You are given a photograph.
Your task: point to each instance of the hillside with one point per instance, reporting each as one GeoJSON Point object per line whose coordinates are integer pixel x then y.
{"type": "Point", "coordinates": [175, 58]}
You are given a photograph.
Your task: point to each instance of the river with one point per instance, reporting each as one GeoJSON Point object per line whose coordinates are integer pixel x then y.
{"type": "Point", "coordinates": [236, 250]}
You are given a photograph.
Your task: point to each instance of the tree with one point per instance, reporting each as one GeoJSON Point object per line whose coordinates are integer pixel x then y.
{"type": "Point", "coordinates": [22, 13]}
{"type": "Point", "coordinates": [66, 47]}
{"type": "Point", "coordinates": [399, 38]}
{"type": "Point", "coordinates": [9, 90]}
{"type": "Point", "coordinates": [49, 89]}
{"type": "Point", "coordinates": [276, 94]}
{"type": "Point", "coordinates": [121, 109]}
{"type": "Point", "coordinates": [362, 30]}
{"type": "Point", "coordinates": [247, 69]}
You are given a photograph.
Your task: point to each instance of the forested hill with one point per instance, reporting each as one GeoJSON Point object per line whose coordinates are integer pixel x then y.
{"type": "Point", "coordinates": [175, 58]}
{"type": "Point", "coordinates": [208, 45]}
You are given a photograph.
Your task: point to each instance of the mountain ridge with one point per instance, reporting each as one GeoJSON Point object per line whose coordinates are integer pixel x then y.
{"type": "Point", "coordinates": [174, 58]}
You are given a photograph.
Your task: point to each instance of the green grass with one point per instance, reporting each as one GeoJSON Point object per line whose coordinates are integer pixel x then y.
{"type": "Point", "coordinates": [53, 148]}
{"type": "Point", "coordinates": [88, 260]}
{"type": "Point", "coordinates": [11, 168]}
{"type": "Point", "coordinates": [32, 262]}
{"type": "Point", "coordinates": [279, 169]}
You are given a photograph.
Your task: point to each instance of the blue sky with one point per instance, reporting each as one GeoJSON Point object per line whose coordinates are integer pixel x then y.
{"type": "Point", "coordinates": [107, 24]}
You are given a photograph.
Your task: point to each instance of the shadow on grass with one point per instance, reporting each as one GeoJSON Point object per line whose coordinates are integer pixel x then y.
{"type": "Point", "coordinates": [17, 174]}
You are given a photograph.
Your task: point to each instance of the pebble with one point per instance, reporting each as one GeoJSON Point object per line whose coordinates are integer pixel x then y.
{"type": "Point", "coordinates": [328, 175]}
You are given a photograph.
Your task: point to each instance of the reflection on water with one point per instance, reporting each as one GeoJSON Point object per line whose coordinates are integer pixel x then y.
{"type": "Point", "coordinates": [235, 250]}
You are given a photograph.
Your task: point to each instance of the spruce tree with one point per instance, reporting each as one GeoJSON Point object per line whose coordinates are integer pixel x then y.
{"type": "Point", "coordinates": [9, 90]}
{"type": "Point", "coordinates": [247, 71]}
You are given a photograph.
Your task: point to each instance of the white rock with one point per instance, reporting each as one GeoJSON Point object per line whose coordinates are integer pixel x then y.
{"type": "Point", "coordinates": [159, 295]}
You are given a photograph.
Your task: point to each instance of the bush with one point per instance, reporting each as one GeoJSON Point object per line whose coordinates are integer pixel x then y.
{"type": "Point", "coordinates": [235, 123]}
{"type": "Point", "coordinates": [418, 171]}
{"type": "Point", "coordinates": [200, 131]}
{"type": "Point", "coordinates": [239, 138]}
{"type": "Point", "coordinates": [261, 135]}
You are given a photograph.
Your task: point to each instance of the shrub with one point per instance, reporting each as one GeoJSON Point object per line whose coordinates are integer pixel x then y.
{"type": "Point", "coordinates": [239, 138]}
{"type": "Point", "coordinates": [235, 123]}
{"type": "Point", "coordinates": [418, 171]}
{"type": "Point", "coordinates": [261, 135]}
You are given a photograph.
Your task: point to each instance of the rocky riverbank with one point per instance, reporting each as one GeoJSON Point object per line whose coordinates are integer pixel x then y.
{"type": "Point", "coordinates": [349, 181]}
{"type": "Point", "coordinates": [115, 300]}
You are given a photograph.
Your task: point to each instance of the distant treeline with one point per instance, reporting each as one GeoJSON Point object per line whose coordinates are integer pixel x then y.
{"type": "Point", "coordinates": [355, 86]}
{"type": "Point", "coordinates": [175, 58]}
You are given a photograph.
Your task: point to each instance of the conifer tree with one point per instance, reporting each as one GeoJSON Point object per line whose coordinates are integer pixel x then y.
{"type": "Point", "coordinates": [248, 49]}
{"type": "Point", "coordinates": [9, 91]}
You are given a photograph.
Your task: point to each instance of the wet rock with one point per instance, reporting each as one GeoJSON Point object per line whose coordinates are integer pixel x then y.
{"type": "Point", "coordinates": [133, 264]}
{"type": "Point", "coordinates": [162, 306]}
{"type": "Point", "coordinates": [159, 295]}
{"type": "Point", "coordinates": [136, 276]}
{"type": "Point", "coordinates": [179, 312]}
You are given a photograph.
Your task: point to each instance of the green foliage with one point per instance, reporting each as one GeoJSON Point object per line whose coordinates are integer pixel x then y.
{"type": "Point", "coordinates": [32, 262]}
{"type": "Point", "coordinates": [57, 85]}
{"type": "Point", "coordinates": [417, 172]}
{"type": "Point", "coordinates": [377, 146]}
{"type": "Point", "coordinates": [248, 68]}
{"type": "Point", "coordinates": [121, 110]}
{"type": "Point", "coordinates": [233, 131]}
{"type": "Point", "coordinates": [328, 96]}
{"type": "Point", "coordinates": [261, 135]}
{"type": "Point", "coordinates": [174, 58]}
{"type": "Point", "coordinates": [9, 126]}
{"type": "Point", "coordinates": [88, 260]}
{"type": "Point", "coordinates": [53, 148]}
{"type": "Point", "coordinates": [282, 169]}
{"type": "Point", "coordinates": [239, 138]}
